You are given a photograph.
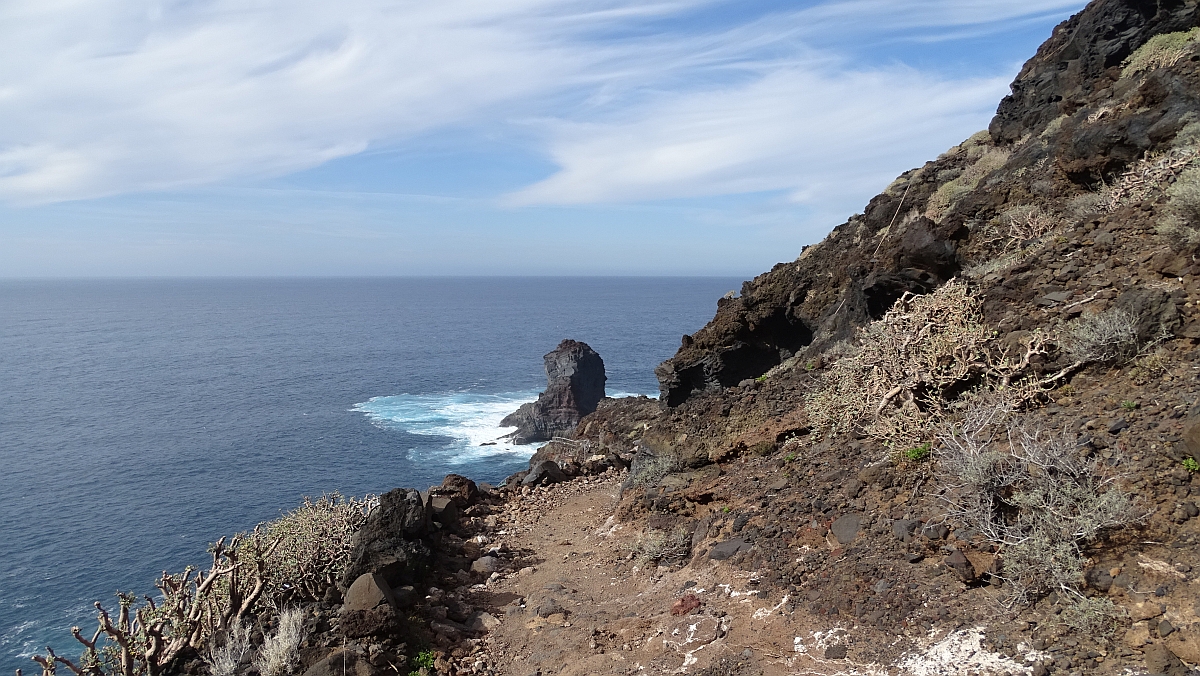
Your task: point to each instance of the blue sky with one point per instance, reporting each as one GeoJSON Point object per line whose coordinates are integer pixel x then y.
{"type": "Point", "coordinates": [396, 137]}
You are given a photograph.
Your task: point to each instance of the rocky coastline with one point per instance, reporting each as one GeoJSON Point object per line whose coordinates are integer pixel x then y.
{"type": "Point", "coordinates": [961, 435]}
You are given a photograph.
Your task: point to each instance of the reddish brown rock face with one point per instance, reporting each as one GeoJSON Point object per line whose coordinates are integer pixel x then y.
{"type": "Point", "coordinates": [574, 387]}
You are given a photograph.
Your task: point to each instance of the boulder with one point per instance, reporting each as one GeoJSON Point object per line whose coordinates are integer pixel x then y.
{"type": "Point", "coordinates": [444, 510]}
{"type": "Point", "coordinates": [389, 541]}
{"type": "Point", "coordinates": [959, 563]}
{"type": "Point", "coordinates": [728, 548]}
{"type": "Point", "coordinates": [903, 529]}
{"type": "Point", "coordinates": [483, 623]}
{"type": "Point", "coordinates": [342, 663]}
{"type": "Point", "coordinates": [460, 489]}
{"type": "Point", "coordinates": [845, 528]}
{"type": "Point", "coordinates": [485, 565]}
{"type": "Point", "coordinates": [1160, 660]}
{"type": "Point", "coordinates": [574, 387]}
{"type": "Point", "coordinates": [368, 591]}
{"type": "Point", "coordinates": [544, 473]}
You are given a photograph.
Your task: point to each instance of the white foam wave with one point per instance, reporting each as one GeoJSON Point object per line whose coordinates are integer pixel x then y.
{"type": "Point", "coordinates": [471, 420]}
{"type": "Point", "coordinates": [468, 419]}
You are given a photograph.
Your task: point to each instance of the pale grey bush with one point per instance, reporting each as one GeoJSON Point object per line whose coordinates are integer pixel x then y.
{"type": "Point", "coordinates": [1181, 224]}
{"type": "Point", "coordinates": [224, 660]}
{"type": "Point", "coordinates": [280, 652]}
{"type": "Point", "coordinates": [1105, 337]}
{"type": "Point", "coordinates": [649, 469]}
{"type": "Point", "coordinates": [1098, 617]}
{"type": "Point", "coordinates": [1032, 493]}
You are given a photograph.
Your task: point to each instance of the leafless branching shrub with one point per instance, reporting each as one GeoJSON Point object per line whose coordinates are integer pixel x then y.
{"type": "Point", "coordinates": [1105, 337]}
{"type": "Point", "coordinates": [912, 364]}
{"type": "Point", "coordinates": [1027, 222]}
{"type": "Point", "coordinates": [1148, 177]}
{"type": "Point", "coordinates": [281, 651]}
{"type": "Point", "coordinates": [1032, 493]}
{"type": "Point", "coordinates": [294, 556]}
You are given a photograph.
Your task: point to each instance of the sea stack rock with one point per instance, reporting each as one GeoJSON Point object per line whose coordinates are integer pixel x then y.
{"type": "Point", "coordinates": [574, 387]}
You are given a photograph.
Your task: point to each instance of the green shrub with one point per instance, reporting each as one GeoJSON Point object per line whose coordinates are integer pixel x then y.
{"type": "Point", "coordinates": [1160, 51]}
{"type": "Point", "coordinates": [989, 160]}
{"type": "Point", "coordinates": [918, 453]}
{"type": "Point", "coordinates": [1191, 465]}
{"type": "Point", "coordinates": [422, 660]}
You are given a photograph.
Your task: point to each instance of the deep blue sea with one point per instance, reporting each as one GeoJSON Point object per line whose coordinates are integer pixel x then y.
{"type": "Point", "coordinates": [142, 419]}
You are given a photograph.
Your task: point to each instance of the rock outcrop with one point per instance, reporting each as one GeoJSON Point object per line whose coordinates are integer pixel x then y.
{"type": "Point", "coordinates": [574, 387]}
{"type": "Point", "coordinates": [389, 542]}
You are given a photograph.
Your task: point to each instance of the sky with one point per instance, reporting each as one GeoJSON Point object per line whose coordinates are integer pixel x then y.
{"type": "Point", "coordinates": [472, 137]}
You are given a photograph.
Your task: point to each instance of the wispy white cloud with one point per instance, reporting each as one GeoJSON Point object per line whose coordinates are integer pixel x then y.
{"type": "Point", "coordinates": [821, 135]}
{"type": "Point", "coordinates": [103, 97]}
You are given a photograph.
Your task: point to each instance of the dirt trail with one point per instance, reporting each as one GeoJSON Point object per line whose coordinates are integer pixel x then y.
{"type": "Point", "coordinates": [588, 605]}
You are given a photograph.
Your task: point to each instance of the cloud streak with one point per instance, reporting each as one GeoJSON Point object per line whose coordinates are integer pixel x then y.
{"type": "Point", "coordinates": [104, 97]}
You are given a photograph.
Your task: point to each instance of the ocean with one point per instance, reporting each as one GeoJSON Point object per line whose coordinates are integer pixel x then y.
{"type": "Point", "coordinates": [142, 419]}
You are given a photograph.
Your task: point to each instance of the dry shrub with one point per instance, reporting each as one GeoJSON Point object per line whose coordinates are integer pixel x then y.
{"type": "Point", "coordinates": [1160, 51]}
{"type": "Point", "coordinates": [649, 468]}
{"type": "Point", "coordinates": [1097, 617]}
{"type": "Point", "coordinates": [911, 365]}
{"type": "Point", "coordinates": [1053, 127]}
{"type": "Point", "coordinates": [1031, 492]}
{"type": "Point", "coordinates": [1148, 178]}
{"type": "Point", "coordinates": [1027, 222]}
{"type": "Point", "coordinates": [1181, 225]}
{"type": "Point", "coordinates": [1104, 337]}
{"type": "Point", "coordinates": [280, 651]}
{"type": "Point", "coordinates": [949, 193]}
{"type": "Point", "coordinates": [1189, 135]}
{"type": "Point", "coordinates": [1083, 207]}
{"type": "Point", "coordinates": [662, 545]}
{"type": "Point", "coordinates": [1149, 368]}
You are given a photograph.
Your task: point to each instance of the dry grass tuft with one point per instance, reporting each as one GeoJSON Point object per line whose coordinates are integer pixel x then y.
{"type": "Point", "coordinates": [280, 652]}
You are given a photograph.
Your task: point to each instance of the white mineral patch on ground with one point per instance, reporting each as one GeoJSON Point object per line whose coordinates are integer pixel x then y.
{"type": "Point", "coordinates": [959, 652]}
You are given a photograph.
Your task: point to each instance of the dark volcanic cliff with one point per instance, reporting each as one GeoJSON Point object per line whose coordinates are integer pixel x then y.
{"type": "Point", "coordinates": [1072, 124]}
